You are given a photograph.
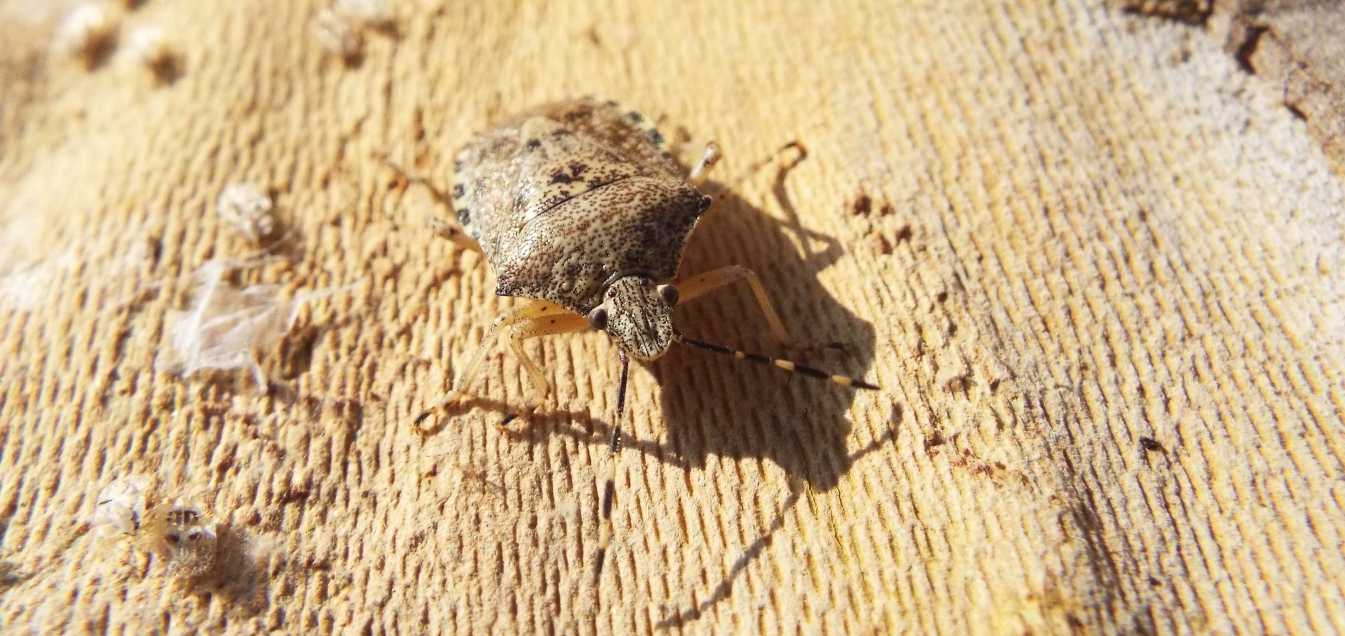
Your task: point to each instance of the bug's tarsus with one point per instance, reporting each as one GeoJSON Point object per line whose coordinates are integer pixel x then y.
{"type": "Point", "coordinates": [609, 487]}
{"type": "Point", "coordinates": [708, 159]}
{"type": "Point", "coordinates": [508, 418]}
{"type": "Point", "coordinates": [784, 365]}
{"type": "Point", "coordinates": [525, 412]}
{"type": "Point", "coordinates": [413, 179]}
{"type": "Point", "coordinates": [450, 231]}
{"type": "Point", "coordinates": [425, 415]}
{"type": "Point", "coordinates": [437, 409]}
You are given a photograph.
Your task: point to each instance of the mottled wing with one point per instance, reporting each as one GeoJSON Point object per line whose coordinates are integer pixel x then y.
{"type": "Point", "coordinates": [558, 163]}
{"type": "Point", "coordinates": [507, 176]}
{"type": "Point", "coordinates": [635, 226]}
{"type": "Point", "coordinates": [485, 175]}
{"type": "Point", "coordinates": [567, 194]}
{"type": "Point", "coordinates": [627, 132]}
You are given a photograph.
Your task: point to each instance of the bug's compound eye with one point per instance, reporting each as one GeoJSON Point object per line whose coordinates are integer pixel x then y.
{"type": "Point", "coordinates": [598, 318]}
{"type": "Point", "coordinates": [669, 294]}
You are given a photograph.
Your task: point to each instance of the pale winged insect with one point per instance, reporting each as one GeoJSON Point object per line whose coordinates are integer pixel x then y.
{"type": "Point", "coordinates": [579, 206]}
{"type": "Point", "coordinates": [180, 533]}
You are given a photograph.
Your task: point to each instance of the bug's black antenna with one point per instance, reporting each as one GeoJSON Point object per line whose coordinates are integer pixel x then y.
{"type": "Point", "coordinates": [609, 488]}
{"type": "Point", "coordinates": [784, 365]}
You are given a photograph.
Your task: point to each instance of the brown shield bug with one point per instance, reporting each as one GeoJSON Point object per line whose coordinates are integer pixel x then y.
{"type": "Point", "coordinates": [579, 206]}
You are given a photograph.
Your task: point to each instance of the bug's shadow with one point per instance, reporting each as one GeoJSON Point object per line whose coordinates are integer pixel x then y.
{"type": "Point", "coordinates": [713, 405]}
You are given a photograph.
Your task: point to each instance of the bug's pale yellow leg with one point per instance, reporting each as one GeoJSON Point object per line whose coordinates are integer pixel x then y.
{"type": "Point", "coordinates": [544, 326]}
{"type": "Point", "coordinates": [705, 282]}
{"type": "Point", "coordinates": [535, 310]}
{"type": "Point", "coordinates": [708, 159]}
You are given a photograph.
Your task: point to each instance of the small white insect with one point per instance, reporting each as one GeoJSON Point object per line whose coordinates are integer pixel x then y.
{"type": "Point", "coordinates": [87, 32]}
{"type": "Point", "coordinates": [245, 208]}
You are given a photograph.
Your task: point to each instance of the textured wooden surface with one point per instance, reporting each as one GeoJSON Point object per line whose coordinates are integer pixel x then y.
{"type": "Point", "coordinates": [1096, 265]}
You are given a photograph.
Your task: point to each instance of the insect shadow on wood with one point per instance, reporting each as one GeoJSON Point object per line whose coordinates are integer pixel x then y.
{"type": "Point", "coordinates": [729, 411]}
{"type": "Point", "coordinates": [718, 409]}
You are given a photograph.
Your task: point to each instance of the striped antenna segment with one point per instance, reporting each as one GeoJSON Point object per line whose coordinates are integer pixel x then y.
{"type": "Point", "coordinates": [784, 365]}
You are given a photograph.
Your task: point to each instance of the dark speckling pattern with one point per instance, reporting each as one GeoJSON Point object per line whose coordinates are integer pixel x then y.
{"type": "Point", "coordinates": [566, 195]}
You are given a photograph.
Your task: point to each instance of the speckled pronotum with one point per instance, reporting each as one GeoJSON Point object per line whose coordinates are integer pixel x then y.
{"type": "Point", "coordinates": [579, 206]}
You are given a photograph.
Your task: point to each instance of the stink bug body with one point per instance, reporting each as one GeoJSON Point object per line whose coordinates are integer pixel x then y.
{"type": "Point", "coordinates": [579, 206]}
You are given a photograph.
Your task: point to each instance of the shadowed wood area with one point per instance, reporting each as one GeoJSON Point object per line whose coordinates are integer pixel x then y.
{"type": "Point", "coordinates": [1094, 264]}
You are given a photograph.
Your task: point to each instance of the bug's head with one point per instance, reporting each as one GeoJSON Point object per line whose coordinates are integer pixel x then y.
{"type": "Point", "coordinates": [637, 314]}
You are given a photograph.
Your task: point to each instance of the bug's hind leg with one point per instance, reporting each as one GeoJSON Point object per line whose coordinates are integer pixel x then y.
{"type": "Point", "coordinates": [701, 171]}
{"type": "Point", "coordinates": [706, 282]}
{"type": "Point", "coordinates": [538, 310]}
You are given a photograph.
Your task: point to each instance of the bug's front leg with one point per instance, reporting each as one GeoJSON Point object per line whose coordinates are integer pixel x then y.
{"type": "Point", "coordinates": [706, 282]}
{"type": "Point", "coordinates": [533, 328]}
{"type": "Point", "coordinates": [537, 310]}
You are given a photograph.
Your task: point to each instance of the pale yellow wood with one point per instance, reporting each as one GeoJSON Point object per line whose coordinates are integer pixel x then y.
{"type": "Point", "coordinates": [1050, 230]}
